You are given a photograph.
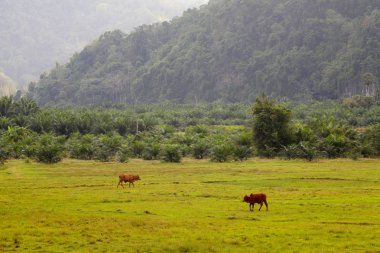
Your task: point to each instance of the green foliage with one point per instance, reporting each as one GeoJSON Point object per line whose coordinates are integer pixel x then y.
{"type": "Point", "coordinates": [138, 148]}
{"type": "Point", "coordinates": [304, 150]}
{"type": "Point", "coordinates": [241, 152]}
{"type": "Point", "coordinates": [49, 149]}
{"type": "Point", "coordinates": [152, 151]}
{"type": "Point", "coordinates": [9, 107]}
{"type": "Point", "coordinates": [230, 51]}
{"type": "Point", "coordinates": [221, 152]}
{"type": "Point", "coordinates": [328, 129]}
{"type": "Point", "coordinates": [123, 154]}
{"type": "Point", "coordinates": [107, 146]}
{"type": "Point", "coordinates": [81, 147]}
{"type": "Point", "coordinates": [270, 127]}
{"type": "Point", "coordinates": [171, 153]}
{"type": "Point", "coordinates": [17, 142]}
{"type": "Point", "coordinates": [372, 138]}
{"type": "Point", "coordinates": [200, 149]}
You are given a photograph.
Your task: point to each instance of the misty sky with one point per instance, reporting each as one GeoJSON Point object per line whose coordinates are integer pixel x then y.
{"type": "Point", "coordinates": [36, 34]}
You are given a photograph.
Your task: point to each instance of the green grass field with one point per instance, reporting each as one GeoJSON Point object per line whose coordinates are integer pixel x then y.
{"type": "Point", "coordinates": [194, 206]}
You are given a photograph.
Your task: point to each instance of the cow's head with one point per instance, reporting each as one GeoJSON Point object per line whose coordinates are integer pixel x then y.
{"type": "Point", "coordinates": [137, 177]}
{"type": "Point", "coordinates": [246, 198]}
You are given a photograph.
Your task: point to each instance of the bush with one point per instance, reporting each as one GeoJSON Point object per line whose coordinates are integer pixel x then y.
{"type": "Point", "coordinates": [242, 153]}
{"type": "Point", "coordinates": [303, 150]}
{"type": "Point", "coordinates": [372, 138]}
{"type": "Point", "coordinates": [221, 153]}
{"type": "Point", "coordinates": [171, 153]}
{"type": "Point", "coordinates": [81, 147]}
{"type": "Point", "coordinates": [107, 147]}
{"type": "Point", "coordinates": [138, 148]}
{"type": "Point", "coordinates": [49, 149]}
{"type": "Point", "coordinates": [200, 149]}
{"type": "Point", "coordinates": [152, 152]}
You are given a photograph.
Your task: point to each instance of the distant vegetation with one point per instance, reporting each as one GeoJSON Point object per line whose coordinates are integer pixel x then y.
{"type": "Point", "coordinates": [217, 132]}
{"type": "Point", "coordinates": [7, 85]}
{"type": "Point", "coordinates": [231, 51]}
{"type": "Point", "coordinates": [34, 35]}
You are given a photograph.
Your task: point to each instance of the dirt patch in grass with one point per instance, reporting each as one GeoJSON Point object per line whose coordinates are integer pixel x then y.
{"type": "Point", "coordinates": [351, 223]}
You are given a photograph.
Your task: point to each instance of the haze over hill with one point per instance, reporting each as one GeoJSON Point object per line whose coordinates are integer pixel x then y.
{"type": "Point", "coordinates": [230, 50]}
{"type": "Point", "coordinates": [34, 35]}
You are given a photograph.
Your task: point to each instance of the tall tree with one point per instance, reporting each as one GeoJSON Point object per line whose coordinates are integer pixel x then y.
{"type": "Point", "coordinates": [271, 130]}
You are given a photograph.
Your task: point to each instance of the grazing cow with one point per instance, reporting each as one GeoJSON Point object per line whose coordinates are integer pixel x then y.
{"type": "Point", "coordinates": [259, 198]}
{"type": "Point", "coordinates": [127, 178]}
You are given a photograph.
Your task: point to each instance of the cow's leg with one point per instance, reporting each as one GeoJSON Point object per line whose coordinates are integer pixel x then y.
{"type": "Point", "coordinates": [120, 183]}
{"type": "Point", "coordinates": [261, 205]}
{"type": "Point", "coordinates": [133, 185]}
{"type": "Point", "coordinates": [253, 206]}
{"type": "Point", "coordinates": [266, 204]}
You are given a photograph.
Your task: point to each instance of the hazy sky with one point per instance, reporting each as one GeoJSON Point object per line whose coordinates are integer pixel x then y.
{"type": "Point", "coordinates": [35, 34]}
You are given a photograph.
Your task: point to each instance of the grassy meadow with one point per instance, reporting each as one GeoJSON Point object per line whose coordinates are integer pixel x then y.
{"type": "Point", "coordinates": [193, 206]}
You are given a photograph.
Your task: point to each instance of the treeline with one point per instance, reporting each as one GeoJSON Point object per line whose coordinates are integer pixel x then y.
{"type": "Point", "coordinates": [218, 132]}
{"type": "Point", "coordinates": [275, 134]}
{"type": "Point", "coordinates": [231, 51]}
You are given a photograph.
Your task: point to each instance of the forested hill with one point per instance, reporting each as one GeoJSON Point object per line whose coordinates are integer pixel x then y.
{"type": "Point", "coordinates": [230, 50]}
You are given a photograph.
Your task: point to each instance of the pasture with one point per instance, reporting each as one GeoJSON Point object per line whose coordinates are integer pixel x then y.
{"type": "Point", "coordinates": [193, 206]}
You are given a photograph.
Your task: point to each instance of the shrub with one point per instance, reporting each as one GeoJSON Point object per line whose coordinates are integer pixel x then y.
{"type": "Point", "coordinates": [49, 149]}
{"type": "Point", "coordinates": [303, 150]}
{"type": "Point", "coordinates": [171, 153]}
{"type": "Point", "coordinates": [372, 138]}
{"type": "Point", "coordinates": [221, 153]}
{"type": "Point", "coordinates": [81, 147]}
{"type": "Point", "coordinates": [152, 152]}
{"type": "Point", "coordinates": [200, 149]}
{"type": "Point", "coordinates": [241, 153]}
{"type": "Point", "coordinates": [107, 147]}
{"type": "Point", "coordinates": [138, 148]}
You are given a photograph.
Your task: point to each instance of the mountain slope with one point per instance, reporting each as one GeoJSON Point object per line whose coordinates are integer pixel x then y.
{"type": "Point", "coordinates": [36, 34]}
{"type": "Point", "coordinates": [231, 50]}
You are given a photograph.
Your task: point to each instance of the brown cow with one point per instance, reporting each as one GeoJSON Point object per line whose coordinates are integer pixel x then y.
{"type": "Point", "coordinates": [127, 178]}
{"type": "Point", "coordinates": [259, 198]}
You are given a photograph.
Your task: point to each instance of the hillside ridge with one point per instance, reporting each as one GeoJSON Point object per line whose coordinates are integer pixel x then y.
{"type": "Point", "coordinates": [231, 51]}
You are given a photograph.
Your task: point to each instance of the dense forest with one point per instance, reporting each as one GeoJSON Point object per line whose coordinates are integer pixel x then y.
{"type": "Point", "coordinates": [34, 35]}
{"type": "Point", "coordinates": [229, 50]}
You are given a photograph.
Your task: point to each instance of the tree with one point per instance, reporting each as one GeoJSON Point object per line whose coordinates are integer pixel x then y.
{"type": "Point", "coordinates": [271, 129]}
{"type": "Point", "coordinates": [368, 79]}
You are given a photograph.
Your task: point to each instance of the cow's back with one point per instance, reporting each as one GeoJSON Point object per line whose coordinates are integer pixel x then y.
{"type": "Point", "coordinates": [127, 178]}
{"type": "Point", "coordinates": [259, 197]}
